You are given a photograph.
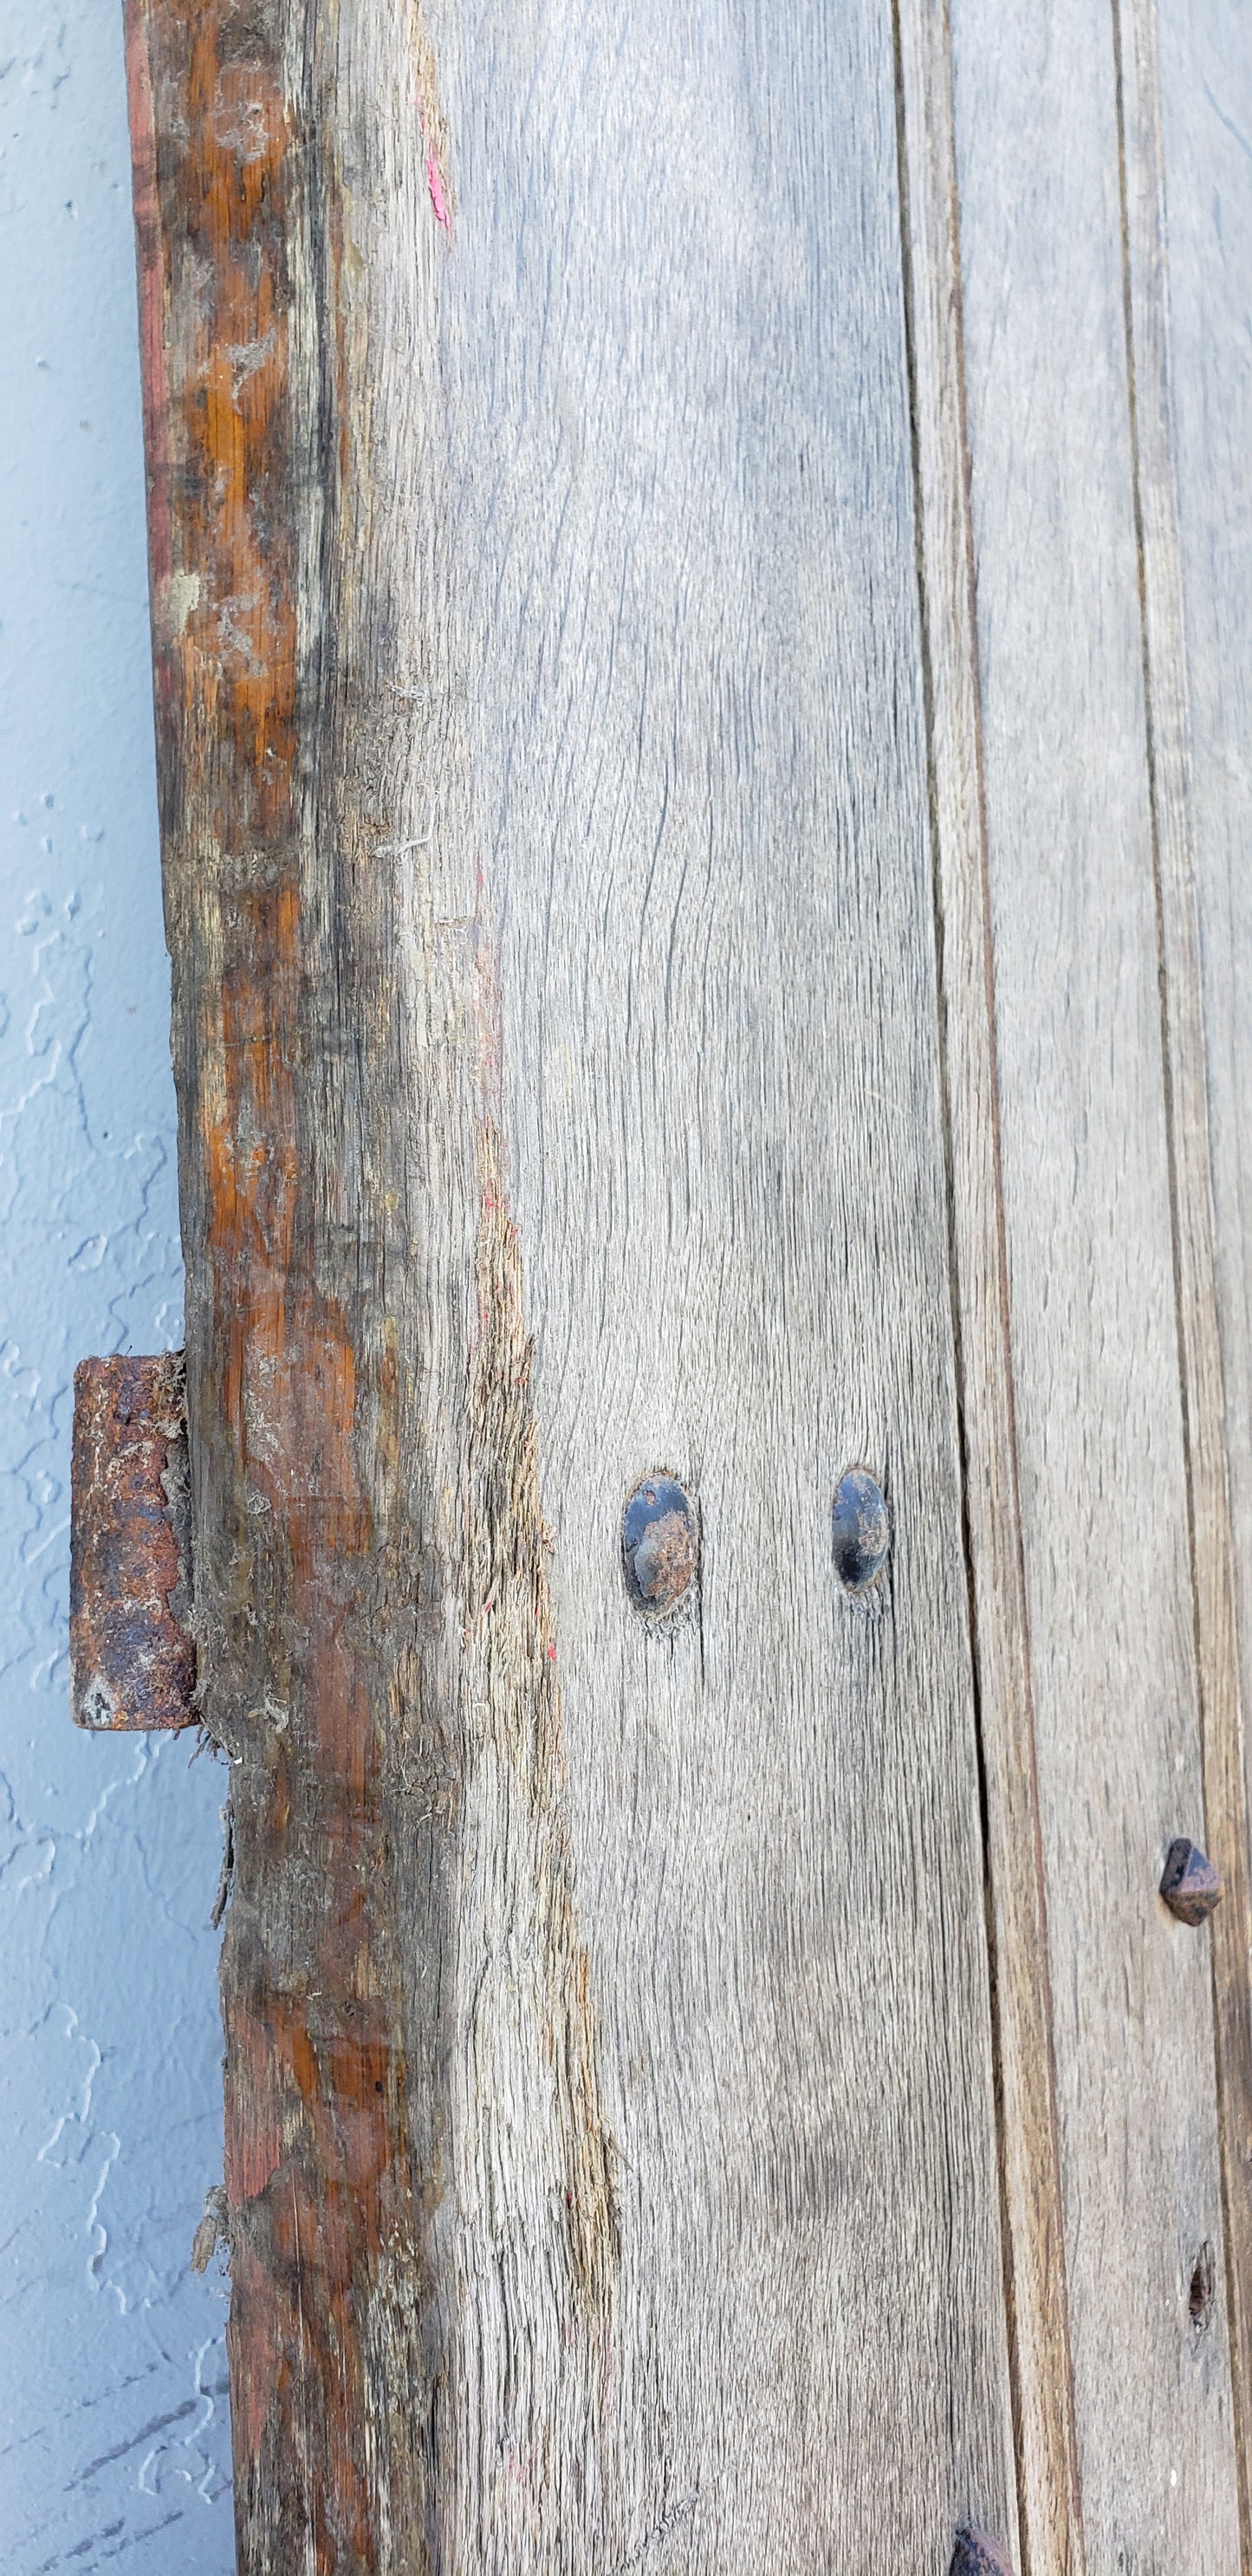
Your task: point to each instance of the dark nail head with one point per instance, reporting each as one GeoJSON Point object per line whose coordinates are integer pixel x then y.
{"type": "Point", "coordinates": [1203, 2286]}
{"type": "Point", "coordinates": [862, 1530]}
{"type": "Point", "coordinates": [1191, 1887]}
{"type": "Point", "coordinates": [975, 2555]}
{"type": "Point", "coordinates": [660, 1545]}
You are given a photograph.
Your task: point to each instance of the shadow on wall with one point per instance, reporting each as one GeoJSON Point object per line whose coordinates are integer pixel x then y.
{"type": "Point", "coordinates": [113, 2421]}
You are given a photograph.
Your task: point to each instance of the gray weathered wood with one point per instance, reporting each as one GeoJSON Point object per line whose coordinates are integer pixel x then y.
{"type": "Point", "coordinates": [1093, 1326]}
{"type": "Point", "coordinates": [677, 671]}
{"type": "Point", "coordinates": [1206, 87]}
{"type": "Point", "coordinates": [684, 548]}
{"type": "Point", "coordinates": [610, 2157]}
{"type": "Point", "coordinates": [1026, 2075]}
{"type": "Point", "coordinates": [1210, 1528]}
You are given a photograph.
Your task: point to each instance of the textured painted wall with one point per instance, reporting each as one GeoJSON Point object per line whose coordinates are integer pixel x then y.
{"type": "Point", "coordinates": [113, 2425]}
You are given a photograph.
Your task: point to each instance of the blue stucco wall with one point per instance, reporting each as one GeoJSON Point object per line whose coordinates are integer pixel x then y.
{"type": "Point", "coordinates": [113, 2422]}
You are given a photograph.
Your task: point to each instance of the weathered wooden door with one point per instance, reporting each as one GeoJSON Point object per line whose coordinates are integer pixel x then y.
{"type": "Point", "coordinates": [686, 579]}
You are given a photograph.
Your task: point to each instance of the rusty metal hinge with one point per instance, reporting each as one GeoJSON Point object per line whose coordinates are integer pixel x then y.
{"type": "Point", "coordinates": [132, 1655]}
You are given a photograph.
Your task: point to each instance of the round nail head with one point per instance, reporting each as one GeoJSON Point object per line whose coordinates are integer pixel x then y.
{"type": "Point", "coordinates": [976, 2555]}
{"type": "Point", "coordinates": [1190, 1885]}
{"type": "Point", "coordinates": [862, 1530]}
{"type": "Point", "coordinates": [660, 1545]}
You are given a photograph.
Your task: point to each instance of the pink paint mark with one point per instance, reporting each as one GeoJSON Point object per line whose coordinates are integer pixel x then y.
{"type": "Point", "coordinates": [437, 198]}
{"type": "Point", "coordinates": [552, 1654]}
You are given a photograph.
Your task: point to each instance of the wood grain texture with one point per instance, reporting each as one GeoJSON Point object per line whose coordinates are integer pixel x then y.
{"type": "Point", "coordinates": [1204, 210]}
{"type": "Point", "coordinates": [610, 2157]}
{"type": "Point", "coordinates": [1048, 2490]}
{"type": "Point", "coordinates": [324, 1366]}
{"type": "Point", "coordinates": [1103, 1458]}
{"type": "Point", "coordinates": [680, 430]}
{"type": "Point", "coordinates": [1211, 1532]}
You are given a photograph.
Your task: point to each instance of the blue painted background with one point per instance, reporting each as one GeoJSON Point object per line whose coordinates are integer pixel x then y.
{"type": "Point", "coordinates": [113, 2422]}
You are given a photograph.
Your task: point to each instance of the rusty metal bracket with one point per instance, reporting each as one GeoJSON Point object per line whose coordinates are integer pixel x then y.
{"type": "Point", "coordinates": [132, 1656]}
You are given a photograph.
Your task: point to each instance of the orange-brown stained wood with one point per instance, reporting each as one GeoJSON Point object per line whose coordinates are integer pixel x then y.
{"type": "Point", "coordinates": [132, 1660]}
{"type": "Point", "coordinates": [359, 1419]}
{"type": "Point", "coordinates": [334, 2336]}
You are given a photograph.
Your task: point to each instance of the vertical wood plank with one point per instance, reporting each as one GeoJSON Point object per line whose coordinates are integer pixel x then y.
{"type": "Point", "coordinates": [1048, 2489]}
{"type": "Point", "coordinates": [329, 1210]}
{"type": "Point", "coordinates": [702, 795]}
{"type": "Point", "coordinates": [1093, 1324]}
{"type": "Point", "coordinates": [609, 2095]}
{"type": "Point", "coordinates": [1211, 1534]}
{"type": "Point", "coordinates": [1204, 210]}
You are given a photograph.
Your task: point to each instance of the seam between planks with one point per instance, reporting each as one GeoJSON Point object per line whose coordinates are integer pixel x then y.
{"type": "Point", "coordinates": [1209, 1527]}
{"type": "Point", "coordinates": [1049, 2499]}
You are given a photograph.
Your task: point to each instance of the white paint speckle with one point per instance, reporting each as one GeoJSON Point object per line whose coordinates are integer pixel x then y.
{"type": "Point", "coordinates": [184, 599]}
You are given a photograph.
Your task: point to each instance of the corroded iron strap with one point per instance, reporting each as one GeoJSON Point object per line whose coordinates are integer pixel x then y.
{"type": "Point", "coordinates": [303, 1374]}
{"type": "Point", "coordinates": [132, 1659]}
